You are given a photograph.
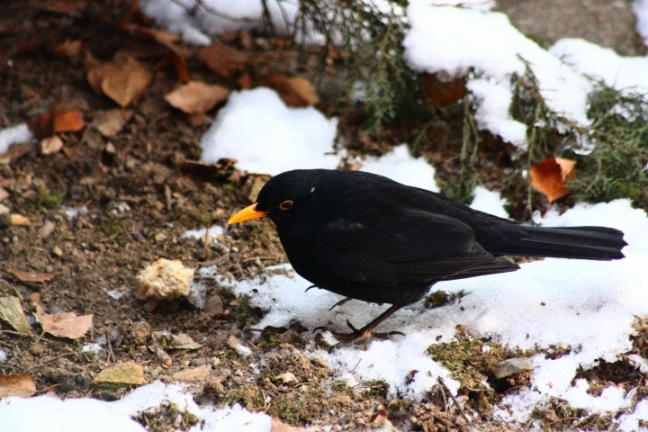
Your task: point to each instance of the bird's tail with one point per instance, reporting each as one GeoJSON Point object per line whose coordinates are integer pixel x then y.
{"type": "Point", "coordinates": [592, 243]}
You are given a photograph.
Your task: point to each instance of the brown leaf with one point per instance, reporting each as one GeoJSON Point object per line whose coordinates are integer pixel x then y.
{"type": "Point", "coordinates": [66, 325]}
{"type": "Point", "coordinates": [14, 152]}
{"type": "Point", "coordinates": [442, 93]}
{"type": "Point", "coordinates": [68, 48]}
{"type": "Point", "coordinates": [196, 97]}
{"type": "Point", "coordinates": [96, 73]}
{"type": "Point", "coordinates": [549, 177]}
{"type": "Point", "coordinates": [109, 123]}
{"type": "Point", "coordinates": [168, 40]}
{"type": "Point", "coordinates": [21, 385]}
{"type": "Point", "coordinates": [222, 58]}
{"type": "Point", "coordinates": [295, 92]}
{"type": "Point", "coordinates": [68, 120]}
{"type": "Point", "coordinates": [32, 276]}
{"type": "Point", "coordinates": [125, 82]}
{"type": "Point", "coordinates": [244, 81]}
{"type": "Point", "coordinates": [50, 145]}
{"type": "Point", "coordinates": [196, 374]}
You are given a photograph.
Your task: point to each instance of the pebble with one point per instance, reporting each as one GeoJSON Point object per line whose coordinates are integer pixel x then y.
{"type": "Point", "coordinates": [46, 229]}
{"type": "Point", "coordinates": [55, 310]}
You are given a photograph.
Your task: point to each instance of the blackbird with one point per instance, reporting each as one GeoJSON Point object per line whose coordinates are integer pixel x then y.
{"type": "Point", "coordinates": [370, 238]}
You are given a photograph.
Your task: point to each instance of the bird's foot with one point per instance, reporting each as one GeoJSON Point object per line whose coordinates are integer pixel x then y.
{"type": "Point", "coordinates": [357, 335]}
{"type": "Point", "coordinates": [340, 303]}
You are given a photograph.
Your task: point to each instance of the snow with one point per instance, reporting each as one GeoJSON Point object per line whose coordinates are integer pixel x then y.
{"type": "Point", "coordinates": [3, 355]}
{"type": "Point", "coordinates": [265, 136]}
{"type": "Point", "coordinates": [84, 414]}
{"type": "Point", "coordinates": [399, 165]}
{"type": "Point", "coordinates": [16, 134]}
{"type": "Point", "coordinates": [585, 305]}
{"type": "Point", "coordinates": [603, 64]}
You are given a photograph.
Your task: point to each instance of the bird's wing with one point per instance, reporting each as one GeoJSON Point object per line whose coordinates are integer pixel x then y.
{"type": "Point", "coordinates": [416, 245]}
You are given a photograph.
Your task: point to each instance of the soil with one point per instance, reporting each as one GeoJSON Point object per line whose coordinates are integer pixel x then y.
{"type": "Point", "coordinates": [141, 196]}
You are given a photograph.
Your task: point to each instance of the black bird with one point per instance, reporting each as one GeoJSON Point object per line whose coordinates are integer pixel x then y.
{"type": "Point", "coordinates": [370, 238]}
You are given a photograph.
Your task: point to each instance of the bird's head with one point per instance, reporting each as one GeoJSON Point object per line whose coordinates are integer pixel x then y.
{"type": "Point", "coordinates": [282, 197]}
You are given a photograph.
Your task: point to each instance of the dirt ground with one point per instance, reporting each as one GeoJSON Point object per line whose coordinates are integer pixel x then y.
{"type": "Point", "coordinates": [141, 197]}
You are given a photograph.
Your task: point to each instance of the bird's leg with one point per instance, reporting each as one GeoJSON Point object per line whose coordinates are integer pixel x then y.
{"type": "Point", "coordinates": [340, 303]}
{"type": "Point", "coordinates": [367, 331]}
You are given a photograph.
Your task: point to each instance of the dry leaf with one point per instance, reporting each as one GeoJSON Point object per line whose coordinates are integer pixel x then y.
{"type": "Point", "coordinates": [68, 48]}
{"type": "Point", "coordinates": [125, 82]}
{"type": "Point", "coordinates": [50, 145]}
{"type": "Point", "coordinates": [222, 58]}
{"type": "Point", "coordinates": [21, 385]}
{"type": "Point", "coordinates": [109, 123]}
{"type": "Point", "coordinates": [196, 97]}
{"type": "Point", "coordinates": [168, 40]}
{"type": "Point", "coordinates": [66, 325]}
{"type": "Point", "coordinates": [68, 120]}
{"type": "Point", "coordinates": [96, 73]}
{"type": "Point", "coordinates": [549, 177]}
{"type": "Point", "coordinates": [196, 374]}
{"type": "Point", "coordinates": [15, 151]}
{"type": "Point", "coordinates": [56, 120]}
{"type": "Point", "coordinates": [295, 92]}
{"type": "Point", "coordinates": [32, 277]}
{"type": "Point", "coordinates": [244, 81]}
{"type": "Point", "coordinates": [442, 93]}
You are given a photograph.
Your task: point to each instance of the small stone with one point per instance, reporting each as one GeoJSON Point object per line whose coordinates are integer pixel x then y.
{"type": "Point", "coordinates": [200, 361]}
{"type": "Point", "coordinates": [514, 366]}
{"type": "Point", "coordinates": [120, 375]}
{"type": "Point", "coordinates": [160, 237]}
{"type": "Point", "coordinates": [194, 374]}
{"type": "Point", "coordinates": [214, 306]}
{"type": "Point", "coordinates": [57, 251]}
{"type": "Point", "coordinates": [287, 377]}
{"type": "Point", "coordinates": [164, 358]}
{"type": "Point", "coordinates": [46, 229]}
{"type": "Point", "coordinates": [55, 310]}
{"type": "Point", "coordinates": [139, 333]}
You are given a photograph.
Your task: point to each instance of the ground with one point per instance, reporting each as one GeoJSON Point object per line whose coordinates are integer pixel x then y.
{"type": "Point", "coordinates": [141, 198]}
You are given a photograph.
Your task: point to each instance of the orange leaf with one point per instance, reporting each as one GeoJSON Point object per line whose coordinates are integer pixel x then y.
{"type": "Point", "coordinates": [295, 92]}
{"type": "Point", "coordinates": [34, 277]}
{"type": "Point", "coordinates": [21, 385]}
{"type": "Point", "coordinates": [67, 325]}
{"type": "Point", "coordinates": [443, 93]}
{"type": "Point", "coordinates": [222, 58]}
{"type": "Point", "coordinates": [125, 82]}
{"type": "Point", "coordinates": [196, 97]}
{"type": "Point", "coordinates": [549, 177]}
{"type": "Point", "coordinates": [68, 121]}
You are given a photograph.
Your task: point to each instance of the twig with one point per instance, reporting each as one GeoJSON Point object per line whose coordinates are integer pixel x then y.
{"type": "Point", "coordinates": [463, 414]}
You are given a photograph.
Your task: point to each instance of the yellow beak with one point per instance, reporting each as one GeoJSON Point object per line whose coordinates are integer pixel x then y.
{"type": "Point", "coordinates": [248, 213]}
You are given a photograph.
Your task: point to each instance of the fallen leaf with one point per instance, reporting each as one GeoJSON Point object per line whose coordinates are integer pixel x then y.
{"type": "Point", "coordinates": [32, 277]}
{"type": "Point", "coordinates": [122, 374]}
{"type": "Point", "coordinates": [66, 325]}
{"type": "Point", "coordinates": [110, 122]}
{"type": "Point", "coordinates": [549, 177]}
{"type": "Point", "coordinates": [196, 97]}
{"type": "Point", "coordinates": [21, 385]}
{"type": "Point", "coordinates": [183, 341]}
{"type": "Point", "coordinates": [126, 81]}
{"type": "Point", "coordinates": [295, 92]}
{"type": "Point", "coordinates": [15, 151]}
{"type": "Point", "coordinates": [56, 120]}
{"type": "Point", "coordinates": [3, 194]}
{"type": "Point", "coordinates": [198, 119]}
{"type": "Point", "coordinates": [222, 58]}
{"type": "Point", "coordinates": [68, 48]}
{"type": "Point", "coordinates": [244, 81]}
{"type": "Point", "coordinates": [194, 374]}
{"type": "Point", "coordinates": [12, 314]}
{"type": "Point", "coordinates": [440, 92]}
{"type": "Point", "coordinates": [68, 120]}
{"type": "Point", "coordinates": [168, 40]}
{"type": "Point", "coordinates": [50, 145]}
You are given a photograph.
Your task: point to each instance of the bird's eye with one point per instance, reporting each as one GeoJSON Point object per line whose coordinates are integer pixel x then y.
{"type": "Point", "coordinates": [286, 205]}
